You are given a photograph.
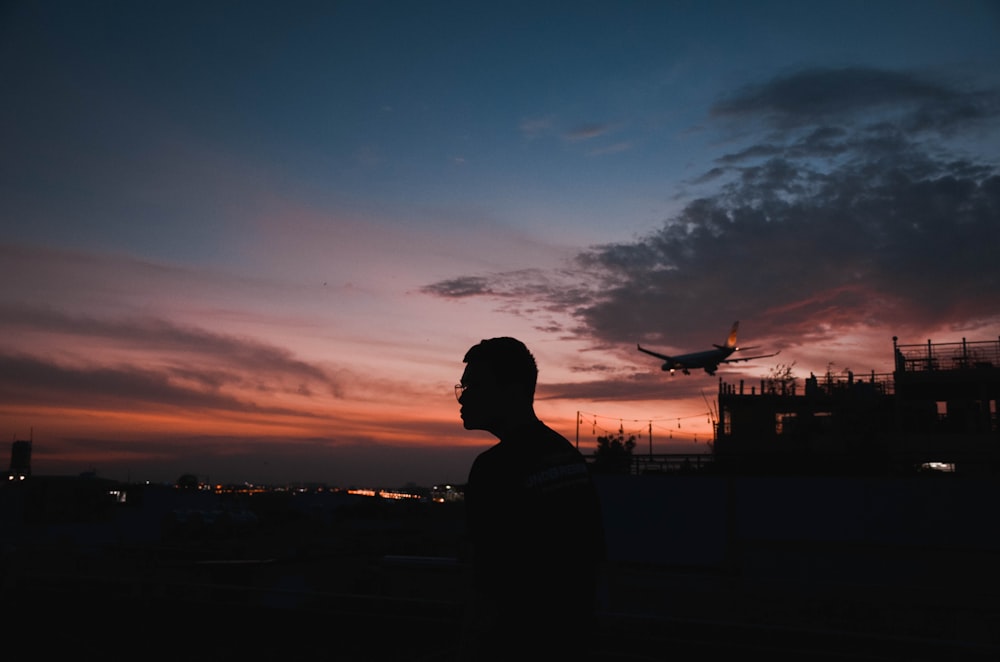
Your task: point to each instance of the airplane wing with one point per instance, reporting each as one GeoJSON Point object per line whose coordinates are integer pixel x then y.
{"type": "Point", "coordinates": [662, 357]}
{"type": "Point", "coordinates": [750, 358]}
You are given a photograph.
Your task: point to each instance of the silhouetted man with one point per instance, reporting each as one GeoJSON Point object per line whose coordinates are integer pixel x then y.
{"type": "Point", "coordinates": [536, 541]}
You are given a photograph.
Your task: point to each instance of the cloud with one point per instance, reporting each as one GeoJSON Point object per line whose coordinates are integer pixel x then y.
{"type": "Point", "coordinates": [859, 201]}
{"type": "Point", "coordinates": [813, 96]}
{"type": "Point", "coordinates": [558, 288]}
{"type": "Point", "coordinates": [535, 127]}
{"type": "Point", "coordinates": [612, 387]}
{"type": "Point", "coordinates": [36, 381]}
{"type": "Point", "coordinates": [184, 345]}
{"type": "Point", "coordinates": [616, 148]}
{"type": "Point", "coordinates": [458, 288]}
{"type": "Point", "coordinates": [586, 132]}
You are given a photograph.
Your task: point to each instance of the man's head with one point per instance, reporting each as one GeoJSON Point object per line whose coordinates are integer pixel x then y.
{"type": "Point", "coordinates": [498, 385]}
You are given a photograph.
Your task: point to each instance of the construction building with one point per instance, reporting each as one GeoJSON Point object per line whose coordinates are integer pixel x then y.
{"type": "Point", "coordinates": [937, 411]}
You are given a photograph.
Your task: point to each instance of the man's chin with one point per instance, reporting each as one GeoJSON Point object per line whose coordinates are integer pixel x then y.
{"type": "Point", "coordinates": [470, 425]}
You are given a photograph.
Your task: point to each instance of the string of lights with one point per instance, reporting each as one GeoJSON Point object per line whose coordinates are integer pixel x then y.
{"type": "Point", "coordinates": [675, 431]}
{"type": "Point", "coordinates": [642, 420]}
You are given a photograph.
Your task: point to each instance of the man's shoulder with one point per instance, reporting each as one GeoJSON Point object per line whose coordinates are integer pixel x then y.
{"type": "Point", "coordinates": [557, 463]}
{"type": "Point", "coordinates": [557, 447]}
{"type": "Point", "coordinates": [550, 438]}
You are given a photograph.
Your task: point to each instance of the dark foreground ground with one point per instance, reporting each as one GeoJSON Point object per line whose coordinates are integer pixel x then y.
{"type": "Point", "coordinates": [60, 623]}
{"type": "Point", "coordinates": [373, 580]}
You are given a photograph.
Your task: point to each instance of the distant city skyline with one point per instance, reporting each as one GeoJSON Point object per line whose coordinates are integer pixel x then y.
{"type": "Point", "coordinates": [255, 243]}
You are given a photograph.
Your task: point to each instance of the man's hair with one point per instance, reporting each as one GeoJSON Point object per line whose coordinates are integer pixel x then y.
{"type": "Point", "coordinates": [508, 359]}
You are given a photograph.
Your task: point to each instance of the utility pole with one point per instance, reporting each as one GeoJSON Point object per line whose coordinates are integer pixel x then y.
{"type": "Point", "coordinates": [577, 429]}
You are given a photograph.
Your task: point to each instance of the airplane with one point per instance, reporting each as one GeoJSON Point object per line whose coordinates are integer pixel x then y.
{"type": "Point", "coordinates": [709, 359]}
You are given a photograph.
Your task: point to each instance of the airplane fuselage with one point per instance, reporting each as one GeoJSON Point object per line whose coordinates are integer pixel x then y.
{"type": "Point", "coordinates": [708, 361]}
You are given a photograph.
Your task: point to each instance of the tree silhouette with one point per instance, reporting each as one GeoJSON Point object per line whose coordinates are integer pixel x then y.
{"type": "Point", "coordinates": [187, 482]}
{"type": "Point", "coordinates": [614, 453]}
{"type": "Point", "coordinates": [780, 380]}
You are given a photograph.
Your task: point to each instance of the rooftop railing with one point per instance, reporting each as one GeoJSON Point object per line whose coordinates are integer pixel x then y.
{"type": "Point", "coordinates": [947, 356]}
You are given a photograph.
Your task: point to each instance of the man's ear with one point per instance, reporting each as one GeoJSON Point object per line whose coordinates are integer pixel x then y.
{"type": "Point", "coordinates": [514, 395]}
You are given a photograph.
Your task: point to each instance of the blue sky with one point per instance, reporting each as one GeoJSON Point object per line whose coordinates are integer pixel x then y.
{"type": "Point", "coordinates": [253, 240]}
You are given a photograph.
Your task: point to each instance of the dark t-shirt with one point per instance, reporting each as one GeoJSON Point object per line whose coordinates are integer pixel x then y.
{"type": "Point", "coordinates": [536, 535]}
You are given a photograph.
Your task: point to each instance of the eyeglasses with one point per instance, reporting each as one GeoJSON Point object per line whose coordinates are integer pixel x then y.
{"type": "Point", "coordinates": [459, 390]}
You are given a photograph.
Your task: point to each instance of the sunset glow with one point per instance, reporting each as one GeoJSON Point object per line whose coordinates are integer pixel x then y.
{"type": "Point", "coordinates": [255, 244]}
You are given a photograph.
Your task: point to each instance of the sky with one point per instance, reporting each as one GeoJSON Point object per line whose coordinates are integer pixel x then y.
{"type": "Point", "coordinates": [252, 241]}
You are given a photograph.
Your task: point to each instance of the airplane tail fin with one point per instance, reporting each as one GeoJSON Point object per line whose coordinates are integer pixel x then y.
{"type": "Point", "coordinates": [731, 340]}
